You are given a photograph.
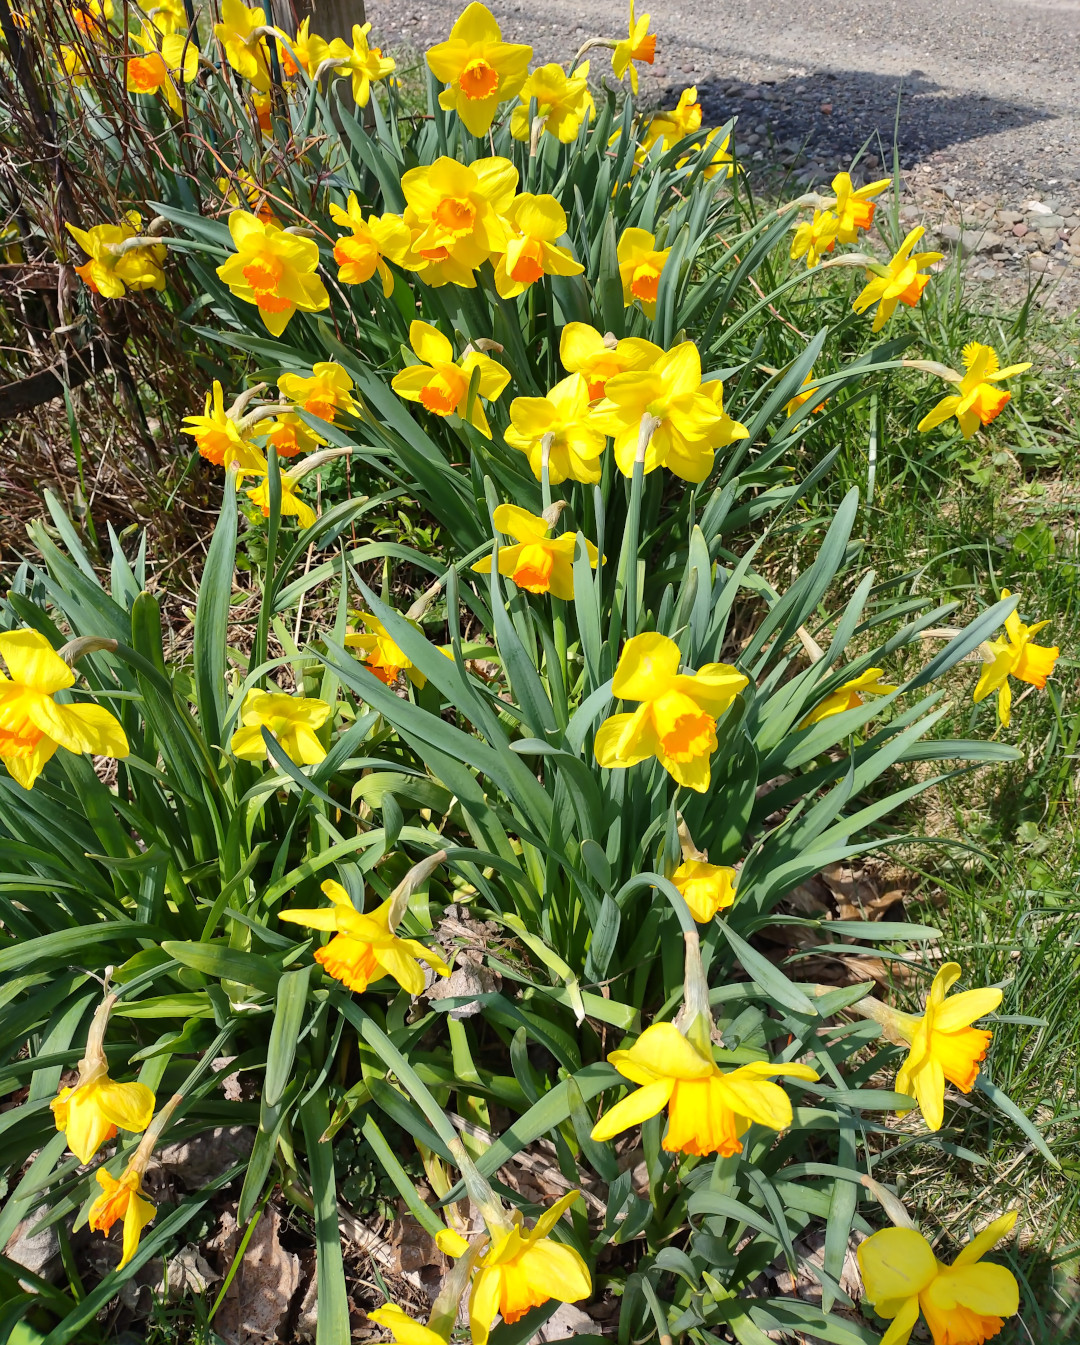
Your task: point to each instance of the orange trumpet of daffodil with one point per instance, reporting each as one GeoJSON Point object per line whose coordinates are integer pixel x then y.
{"type": "Point", "coordinates": [91, 1112]}
{"type": "Point", "coordinates": [815, 237]}
{"type": "Point", "coordinates": [441, 384]}
{"type": "Point", "coordinates": [563, 102]}
{"type": "Point", "coordinates": [977, 401]}
{"type": "Point", "coordinates": [455, 214]}
{"type": "Point", "coordinates": [597, 358]}
{"type": "Point", "coordinates": [536, 223]}
{"type": "Point", "coordinates": [900, 282]}
{"type": "Point", "coordinates": [480, 69]}
{"type": "Point", "coordinates": [640, 268]}
{"type": "Point", "coordinates": [323, 393]}
{"type": "Point", "coordinates": [559, 425]}
{"type": "Point", "coordinates": [301, 52]}
{"type": "Point", "coordinates": [709, 1109]}
{"type": "Point", "coordinates": [689, 420]}
{"type": "Point", "coordinates": [111, 270]}
{"type": "Point", "coordinates": [849, 695]}
{"type": "Point", "coordinates": [854, 208]}
{"type": "Point", "coordinates": [538, 563]}
{"type": "Point", "coordinates": [219, 437]}
{"type": "Point", "coordinates": [381, 653]}
{"type": "Point", "coordinates": [33, 724]}
{"type": "Point", "coordinates": [273, 269]}
{"type": "Point", "coordinates": [1014, 656]}
{"type": "Point", "coordinates": [676, 718]}
{"type": "Point", "coordinates": [963, 1304]}
{"type": "Point", "coordinates": [291, 720]}
{"type": "Point", "coordinates": [365, 251]}
{"type": "Point", "coordinates": [638, 45]}
{"type": "Point", "coordinates": [364, 947]}
{"type": "Point", "coordinates": [245, 50]}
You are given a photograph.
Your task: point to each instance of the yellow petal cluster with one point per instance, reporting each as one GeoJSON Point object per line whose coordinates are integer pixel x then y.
{"type": "Point", "coordinates": [537, 563]}
{"type": "Point", "coordinates": [273, 269]}
{"type": "Point", "coordinates": [111, 270]}
{"type": "Point", "coordinates": [291, 720]}
{"type": "Point", "coordinates": [900, 282]}
{"type": "Point", "coordinates": [1014, 656]}
{"type": "Point", "coordinates": [123, 1200]}
{"type": "Point", "coordinates": [536, 224]}
{"type": "Point", "coordinates": [638, 45]}
{"type": "Point", "coordinates": [976, 401]}
{"type": "Point", "coordinates": [849, 695]}
{"type": "Point", "coordinates": [479, 68]}
{"type": "Point", "coordinates": [441, 384]}
{"type": "Point", "coordinates": [455, 215]}
{"type": "Point", "coordinates": [371, 242]}
{"type": "Point", "coordinates": [559, 425]}
{"type": "Point", "coordinates": [563, 102]}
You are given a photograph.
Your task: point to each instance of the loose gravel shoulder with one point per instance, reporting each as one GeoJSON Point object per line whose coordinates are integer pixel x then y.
{"type": "Point", "coordinates": [986, 95]}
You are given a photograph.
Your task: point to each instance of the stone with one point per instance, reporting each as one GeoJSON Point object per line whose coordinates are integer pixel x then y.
{"type": "Point", "coordinates": [1019, 230]}
{"type": "Point", "coordinates": [1046, 221]}
{"type": "Point", "coordinates": [826, 109]}
{"type": "Point", "coordinates": [1048, 239]}
{"type": "Point", "coordinates": [38, 1252]}
{"type": "Point", "coordinates": [1010, 217]}
{"type": "Point", "coordinates": [566, 1322]}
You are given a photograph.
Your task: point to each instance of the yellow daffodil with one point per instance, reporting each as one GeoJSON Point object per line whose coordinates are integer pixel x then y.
{"type": "Point", "coordinates": [291, 720]}
{"type": "Point", "coordinates": [721, 160]}
{"type": "Point", "coordinates": [292, 504]}
{"type": "Point", "coordinates": [676, 718]}
{"type": "Point", "coordinates": [575, 445]}
{"type": "Point", "coordinates": [122, 1199]}
{"type": "Point", "coordinates": [324, 393]}
{"type": "Point", "coordinates": [289, 435]}
{"type": "Point", "coordinates": [815, 237]}
{"type": "Point", "coordinates": [944, 1045]}
{"type": "Point", "coordinates": [977, 400]}
{"type": "Point", "coordinates": [111, 271]}
{"type": "Point", "coordinates": [640, 266]}
{"type": "Point", "coordinates": [404, 1329]}
{"type": "Point", "coordinates": [244, 47]}
{"type": "Point", "coordinates": [381, 653]}
{"type": "Point", "coordinates": [1015, 656]}
{"type": "Point", "coordinates": [709, 1109]}
{"type": "Point", "coordinates": [597, 358]}
{"type": "Point", "coordinates": [854, 208]}
{"type": "Point", "coordinates": [523, 1268]}
{"type": "Point", "coordinates": [160, 70]}
{"type": "Point", "coordinates": [638, 45]}
{"type": "Point", "coordinates": [691, 415]}
{"type": "Point", "coordinates": [454, 213]}
{"type": "Point", "coordinates": [365, 947]}
{"type": "Point", "coordinates": [263, 106]}
{"type": "Point", "coordinates": [676, 124]}
{"type": "Point", "coordinates": [849, 695]}
{"type": "Point", "coordinates": [706, 888]}
{"type": "Point", "coordinates": [218, 436]}
{"type": "Point", "coordinates": [297, 52]}
{"type": "Point", "coordinates": [91, 17]}
{"type": "Point", "coordinates": [274, 270]}
{"type": "Point", "coordinates": [897, 283]}
{"type": "Point", "coordinates": [537, 223]}
{"type": "Point", "coordinates": [363, 252]}
{"type": "Point", "coordinates": [563, 102]}
{"type": "Point", "coordinates": [167, 16]}
{"type": "Point", "coordinates": [243, 189]}
{"type": "Point", "coordinates": [804, 395]}
{"type": "Point", "coordinates": [74, 63]}
{"type": "Point", "coordinates": [963, 1304]}
{"type": "Point", "coordinates": [363, 63]}
{"type": "Point", "coordinates": [537, 563]}
{"type": "Point", "coordinates": [441, 384]}
{"type": "Point", "coordinates": [32, 724]}
{"type": "Point", "coordinates": [480, 69]}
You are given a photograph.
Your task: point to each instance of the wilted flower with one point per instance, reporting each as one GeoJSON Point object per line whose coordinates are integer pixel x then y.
{"type": "Point", "coordinates": [562, 101]}
{"type": "Point", "coordinates": [977, 400]}
{"type": "Point", "coordinates": [897, 283]}
{"type": "Point", "coordinates": [538, 563]}
{"type": "Point", "coordinates": [964, 1304]}
{"type": "Point", "coordinates": [441, 385]}
{"type": "Point", "coordinates": [33, 724]}
{"type": "Point", "coordinates": [638, 45]}
{"type": "Point", "coordinates": [245, 49]}
{"type": "Point", "coordinates": [1014, 656]}
{"type": "Point", "coordinates": [362, 253]}
{"type": "Point", "coordinates": [574, 444]}
{"type": "Point", "coordinates": [323, 393]}
{"type": "Point", "coordinates": [273, 269]}
{"type": "Point", "coordinates": [537, 223]}
{"type": "Point", "coordinates": [454, 213]}
{"type": "Point", "coordinates": [676, 719]}
{"type": "Point", "coordinates": [815, 237]}
{"type": "Point", "coordinates": [849, 695]}
{"type": "Point", "coordinates": [640, 267]}
{"type": "Point", "coordinates": [481, 69]}
{"type": "Point", "coordinates": [111, 270]}
{"type": "Point", "coordinates": [122, 1199]}
{"type": "Point", "coordinates": [291, 720]}
{"type": "Point", "coordinates": [597, 358]}
{"type": "Point", "coordinates": [218, 436]}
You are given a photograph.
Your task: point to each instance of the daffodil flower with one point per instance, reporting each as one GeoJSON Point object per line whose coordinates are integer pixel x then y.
{"type": "Point", "coordinates": [365, 64]}
{"type": "Point", "coordinates": [365, 947]}
{"type": "Point", "coordinates": [110, 271]}
{"type": "Point", "coordinates": [121, 1199]}
{"type": "Point", "coordinates": [640, 268]}
{"type": "Point", "coordinates": [323, 393]}
{"type": "Point", "coordinates": [289, 435]}
{"type": "Point", "coordinates": [74, 63]}
{"type": "Point", "coordinates": [292, 504]}
{"type": "Point", "coordinates": [597, 358]}
{"type": "Point", "coordinates": [291, 720]}
{"type": "Point", "coordinates": [254, 196]}
{"type": "Point", "coordinates": [815, 237]}
{"type": "Point", "coordinates": [1014, 656]}
{"type": "Point", "coordinates": [167, 16]}
{"type": "Point", "coordinates": [441, 384]}
{"type": "Point", "coordinates": [802, 396]}
{"type": "Point", "coordinates": [455, 216]}
{"type": "Point", "coordinates": [381, 653]}
{"type": "Point", "coordinates": [692, 422]}
{"type": "Point", "coordinates": [244, 47]}
{"type": "Point", "coordinates": [363, 252]}
{"type": "Point", "coordinates": [706, 888]}
{"type": "Point", "coordinates": [977, 400]}
{"type": "Point", "coordinates": [720, 161]}
{"type": "Point", "coordinates": [709, 1109]}
{"type": "Point", "coordinates": [273, 269]}
{"type": "Point", "coordinates": [91, 16]}
{"type": "Point", "coordinates": [849, 695]}
{"type": "Point", "coordinates": [560, 421]}
{"type": "Point", "coordinates": [160, 70]}
{"type": "Point", "coordinates": [297, 52]}
{"type": "Point", "coordinates": [537, 223]}
{"type": "Point", "coordinates": [480, 69]}
{"type": "Point", "coordinates": [677, 123]}
{"type": "Point", "coordinates": [854, 208]}
{"type": "Point", "coordinates": [523, 1268]}
{"type": "Point", "coordinates": [33, 724]}
{"type": "Point", "coordinates": [219, 439]}
{"type": "Point", "coordinates": [900, 282]}
{"type": "Point", "coordinates": [676, 719]}
{"type": "Point", "coordinates": [963, 1304]}
{"type": "Point", "coordinates": [638, 45]}
{"type": "Point", "coordinates": [538, 563]}
{"type": "Point", "coordinates": [404, 1330]}
{"type": "Point", "coordinates": [563, 102]}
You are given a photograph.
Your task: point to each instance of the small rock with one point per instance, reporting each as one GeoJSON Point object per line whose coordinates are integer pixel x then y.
{"type": "Point", "coordinates": [752, 95]}
{"type": "Point", "coordinates": [1019, 230]}
{"type": "Point", "coordinates": [986, 273]}
{"type": "Point", "coordinates": [566, 1322]}
{"type": "Point", "coordinates": [950, 192]}
{"type": "Point", "coordinates": [826, 109]}
{"type": "Point", "coordinates": [1048, 239]}
{"type": "Point", "coordinates": [1037, 208]}
{"type": "Point", "coordinates": [38, 1252]}
{"type": "Point", "coordinates": [1038, 262]}
{"type": "Point", "coordinates": [1010, 217]}
{"type": "Point", "coordinates": [1046, 221]}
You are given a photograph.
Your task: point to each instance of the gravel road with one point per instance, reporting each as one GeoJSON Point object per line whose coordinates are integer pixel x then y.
{"type": "Point", "coordinates": [988, 90]}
